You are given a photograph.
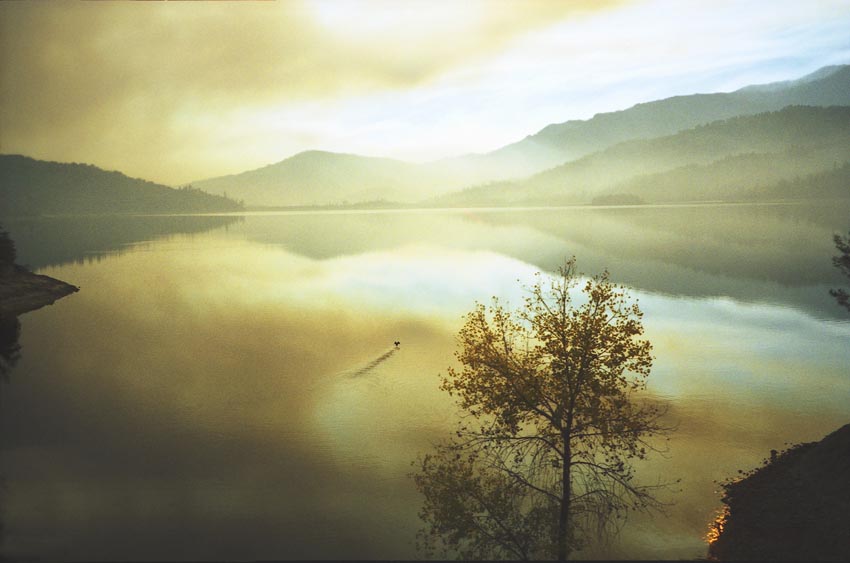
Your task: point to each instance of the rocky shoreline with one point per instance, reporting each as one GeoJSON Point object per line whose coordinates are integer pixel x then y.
{"type": "Point", "coordinates": [794, 508]}
{"type": "Point", "coordinates": [22, 291]}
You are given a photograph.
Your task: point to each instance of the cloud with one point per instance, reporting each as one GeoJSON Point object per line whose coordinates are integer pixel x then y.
{"type": "Point", "coordinates": [137, 83]}
{"type": "Point", "coordinates": [175, 92]}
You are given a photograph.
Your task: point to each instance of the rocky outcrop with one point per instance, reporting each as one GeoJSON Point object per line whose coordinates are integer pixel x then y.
{"type": "Point", "coordinates": [794, 508]}
{"type": "Point", "coordinates": [22, 291]}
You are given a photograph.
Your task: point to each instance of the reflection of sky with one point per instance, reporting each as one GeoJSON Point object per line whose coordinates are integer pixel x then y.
{"type": "Point", "coordinates": [202, 387]}
{"type": "Point", "coordinates": [745, 345]}
{"type": "Point", "coordinates": [754, 253]}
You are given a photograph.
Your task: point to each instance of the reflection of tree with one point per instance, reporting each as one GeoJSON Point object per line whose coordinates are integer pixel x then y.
{"type": "Point", "coordinates": [54, 241]}
{"type": "Point", "coordinates": [544, 460]}
{"type": "Point", "coordinates": [842, 262]}
{"type": "Point", "coordinates": [2, 515]}
{"type": "Point", "coordinates": [10, 353]}
{"type": "Point", "coordinates": [10, 349]}
{"type": "Point", "coordinates": [7, 252]}
{"type": "Point", "coordinates": [10, 328]}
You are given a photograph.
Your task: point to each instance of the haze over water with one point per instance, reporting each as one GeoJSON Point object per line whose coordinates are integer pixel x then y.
{"type": "Point", "coordinates": [232, 389]}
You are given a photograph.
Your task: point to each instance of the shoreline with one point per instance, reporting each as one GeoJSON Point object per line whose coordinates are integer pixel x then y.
{"type": "Point", "coordinates": [792, 508]}
{"type": "Point", "coordinates": [22, 291]}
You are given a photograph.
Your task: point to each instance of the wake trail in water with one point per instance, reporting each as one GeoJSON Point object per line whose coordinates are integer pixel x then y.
{"type": "Point", "coordinates": [373, 364]}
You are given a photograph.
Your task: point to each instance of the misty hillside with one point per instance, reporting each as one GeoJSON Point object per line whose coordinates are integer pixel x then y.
{"type": "Point", "coordinates": [318, 178]}
{"type": "Point", "coordinates": [559, 143]}
{"type": "Point", "coordinates": [750, 175]}
{"type": "Point", "coordinates": [690, 165]}
{"type": "Point", "coordinates": [829, 184]}
{"type": "Point", "coordinates": [37, 187]}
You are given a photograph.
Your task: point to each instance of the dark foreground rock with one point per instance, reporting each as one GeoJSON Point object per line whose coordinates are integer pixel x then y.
{"type": "Point", "coordinates": [794, 508]}
{"type": "Point", "coordinates": [22, 291]}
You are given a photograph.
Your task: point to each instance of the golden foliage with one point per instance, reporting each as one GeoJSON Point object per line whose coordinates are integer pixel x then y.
{"type": "Point", "coordinates": [552, 393]}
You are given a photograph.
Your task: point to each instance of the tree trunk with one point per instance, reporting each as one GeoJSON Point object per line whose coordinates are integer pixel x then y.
{"type": "Point", "coordinates": [566, 496]}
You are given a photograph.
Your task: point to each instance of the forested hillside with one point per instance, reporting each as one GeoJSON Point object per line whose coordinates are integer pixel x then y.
{"type": "Point", "coordinates": [36, 187]}
{"type": "Point", "coordinates": [719, 160]}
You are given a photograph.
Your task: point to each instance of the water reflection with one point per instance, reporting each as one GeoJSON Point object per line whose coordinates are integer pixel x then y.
{"type": "Point", "coordinates": [10, 353]}
{"type": "Point", "coordinates": [220, 412]}
{"type": "Point", "coordinates": [197, 399]}
{"type": "Point", "coordinates": [10, 349]}
{"type": "Point", "coordinates": [752, 252]}
{"type": "Point", "coordinates": [758, 253]}
{"type": "Point", "coordinates": [53, 241]}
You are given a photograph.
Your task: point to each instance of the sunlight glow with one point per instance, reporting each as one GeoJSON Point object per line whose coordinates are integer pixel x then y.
{"type": "Point", "coordinates": [715, 529]}
{"type": "Point", "coordinates": [411, 80]}
{"type": "Point", "coordinates": [377, 20]}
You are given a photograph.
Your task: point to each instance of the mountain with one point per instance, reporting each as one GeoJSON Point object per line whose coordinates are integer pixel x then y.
{"type": "Point", "coordinates": [752, 176]}
{"type": "Point", "coordinates": [317, 177]}
{"type": "Point", "coordinates": [36, 187]}
{"type": "Point", "coordinates": [829, 184]}
{"type": "Point", "coordinates": [561, 142]}
{"type": "Point", "coordinates": [322, 178]}
{"type": "Point", "coordinates": [713, 161]}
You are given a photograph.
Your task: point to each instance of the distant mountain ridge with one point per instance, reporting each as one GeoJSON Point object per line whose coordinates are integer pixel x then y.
{"type": "Point", "coordinates": [316, 177]}
{"type": "Point", "coordinates": [37, 187]}
{"type": "Point", "coordinates": [319, 177]}
{"type": "Point", "coordinates": [652, 152]}
{"type": "Point", "coordinates": [558, 143]}
{"type": "Point", "coordinates": [721, 158]}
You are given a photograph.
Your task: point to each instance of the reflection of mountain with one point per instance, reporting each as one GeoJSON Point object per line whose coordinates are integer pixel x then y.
{"type": "Point", "coordinates": [758, 242]}
{"type": "Point", "coordinates": [778, 253]}
{"type": "Point", "coordinates": [774, 253]}
{"type": "Point", "coordinates": [34, 187]}
{"type": "Point", "coordinates": [316, 177]}
{"type": "Point", "coordinates": [715, 161]}
{"type": "Point", "coordinates": [51, 241]}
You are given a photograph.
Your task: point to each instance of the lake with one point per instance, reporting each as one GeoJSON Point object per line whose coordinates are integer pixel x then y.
{"type": "Point", "coordinates": [227, 387]}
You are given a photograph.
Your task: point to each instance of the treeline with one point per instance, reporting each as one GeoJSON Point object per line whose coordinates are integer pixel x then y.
{"type": "Point", "coordinates": [34, 187]}
{"type": "Point", "coordinates": [812, 136]}
{"type": "Point", "coordinates": [722, 160]}
{"type": "Point", "coordinates": [796, 173]}
{"type": "Point", "coordinates": [833, 183]}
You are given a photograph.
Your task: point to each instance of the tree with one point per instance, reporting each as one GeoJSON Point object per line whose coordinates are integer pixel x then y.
{"type": "Point", "coordinates": [542, 460]}
{"type": "Point", "coordinates": [842, 262]}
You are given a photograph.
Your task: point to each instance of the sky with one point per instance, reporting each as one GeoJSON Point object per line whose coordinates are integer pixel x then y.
{"type": "Point", "coordinates": [180, 91]}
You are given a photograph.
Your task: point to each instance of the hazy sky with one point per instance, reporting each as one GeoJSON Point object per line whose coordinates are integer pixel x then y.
{"type": "Point", "coordinates": [175, 92]}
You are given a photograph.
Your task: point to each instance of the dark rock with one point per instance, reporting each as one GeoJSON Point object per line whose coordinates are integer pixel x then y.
{"type": "Point", "coordinates": [794, 508]}
{"type": "Point", "coordinates": [22, 291]}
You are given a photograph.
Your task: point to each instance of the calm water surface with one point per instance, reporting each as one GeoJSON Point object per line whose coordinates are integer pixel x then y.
{"type": "Point", "coordinates": [227, 387]}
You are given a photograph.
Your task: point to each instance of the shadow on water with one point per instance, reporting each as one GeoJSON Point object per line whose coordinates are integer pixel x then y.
{"type": "Point", "coordinates": [54, 241]}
